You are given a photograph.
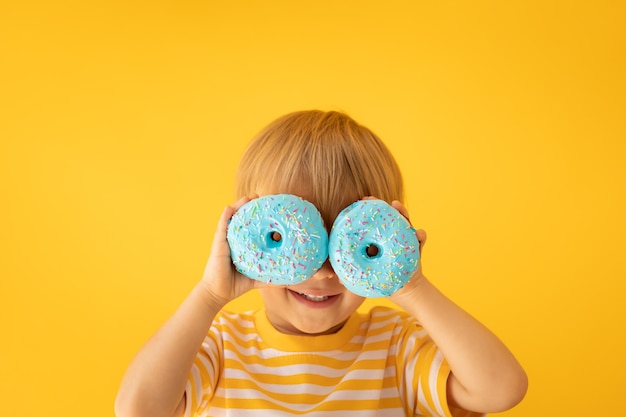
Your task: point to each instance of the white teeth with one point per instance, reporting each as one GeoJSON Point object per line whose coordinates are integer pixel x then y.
{"type": "Point", "coordinates": [314, 297]}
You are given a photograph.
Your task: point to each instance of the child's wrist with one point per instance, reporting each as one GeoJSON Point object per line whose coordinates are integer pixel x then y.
{"type": "Point", "coordinates": [209, 298]}
{"type": "Point", "coordinates": [413, 292]}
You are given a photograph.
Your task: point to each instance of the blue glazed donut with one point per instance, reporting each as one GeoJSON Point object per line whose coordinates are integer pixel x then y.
{"type": "Point", "coordinates": [278, 239]}
{"type": "Point", "coordinates": [373, 248]}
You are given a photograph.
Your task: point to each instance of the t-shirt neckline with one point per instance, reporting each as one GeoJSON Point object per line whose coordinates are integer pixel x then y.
{"type": "Point", "coordinates": [297, 343]}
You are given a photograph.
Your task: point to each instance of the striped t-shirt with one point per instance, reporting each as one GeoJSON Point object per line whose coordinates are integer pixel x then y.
{"type": "Point", "coordinates": [381, 363]}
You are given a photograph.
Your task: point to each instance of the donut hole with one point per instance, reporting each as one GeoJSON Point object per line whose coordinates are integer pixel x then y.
{"type": "Point", "coordinates": [373, 251]}
{"type": "Point", "coordinates": [274, 239]}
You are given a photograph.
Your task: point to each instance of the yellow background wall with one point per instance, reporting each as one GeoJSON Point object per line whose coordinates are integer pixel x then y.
{"type": "Point", "coordinates": [121, 123]}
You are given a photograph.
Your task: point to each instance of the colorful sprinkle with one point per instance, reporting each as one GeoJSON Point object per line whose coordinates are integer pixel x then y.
{"type": "Point", "coordinates": [379, 224]}
{"type": "Point", "coordinates": [303, 249]}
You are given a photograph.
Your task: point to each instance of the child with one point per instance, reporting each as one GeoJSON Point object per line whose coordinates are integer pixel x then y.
{"type": "Point", "coordinates": [309, 351]}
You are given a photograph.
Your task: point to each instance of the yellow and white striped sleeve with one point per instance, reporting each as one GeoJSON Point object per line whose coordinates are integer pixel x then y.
{"type": "Point", "coordinates": [425, 373]}
{"type": "Point", "coordinates": [204, 373]}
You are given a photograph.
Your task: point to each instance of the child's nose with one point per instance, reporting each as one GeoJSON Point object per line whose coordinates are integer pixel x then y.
{"type": "Point", "coordinates": [325, 272]}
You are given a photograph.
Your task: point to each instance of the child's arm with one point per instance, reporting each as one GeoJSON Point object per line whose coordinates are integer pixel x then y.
{"type": "Point", "coordinates": [485, 376]}
{"type": "Point", "coordinates": [155, 381]}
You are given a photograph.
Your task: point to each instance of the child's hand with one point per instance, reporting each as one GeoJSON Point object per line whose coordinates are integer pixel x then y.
{"type": "Point", "coordinates": [417, 276]}
{"type": "Point", "coordinates": [220, 279]}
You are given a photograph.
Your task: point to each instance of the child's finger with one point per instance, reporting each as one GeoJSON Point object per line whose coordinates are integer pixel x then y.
{"type": "Point", "coordinates": [222, 224]}
{"type": "Point", "coordinates": [400, 207]}
{"type": "Point", "coordinates": [421, 237]}
{"type": "Point", "coordinates": [228, 212]}
{"type": "Point", "coordinates": [421, 234]}
{"type": "Point", "coordinates": [242, 201]}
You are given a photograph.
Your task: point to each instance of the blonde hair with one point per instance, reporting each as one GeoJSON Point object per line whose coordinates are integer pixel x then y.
{"type": "Point", "coordinates": [327, 155]}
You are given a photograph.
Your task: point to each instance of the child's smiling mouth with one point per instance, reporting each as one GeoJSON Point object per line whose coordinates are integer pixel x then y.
{"type": "Point", "coordinates": [314, 297]}
{"type": "Point", "coordinates": [318, 300]}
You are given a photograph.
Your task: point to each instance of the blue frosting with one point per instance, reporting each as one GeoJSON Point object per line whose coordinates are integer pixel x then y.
{"type": "Point", "coordinates": [373, 249]}
{"type": "Point", "coordinates": [278, 239]}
